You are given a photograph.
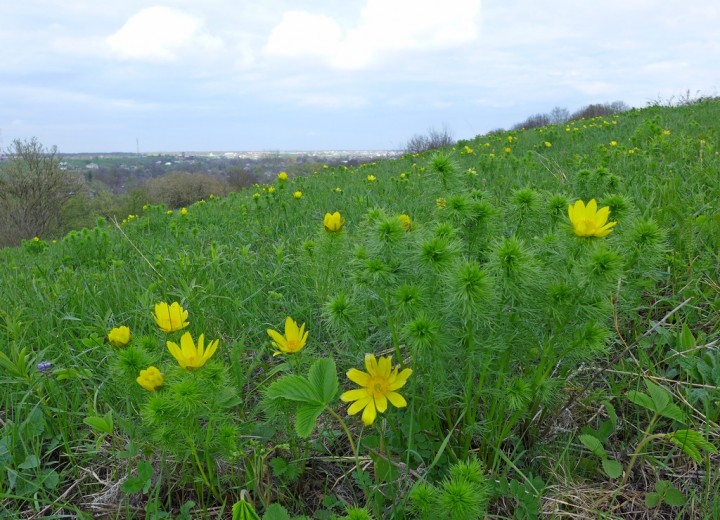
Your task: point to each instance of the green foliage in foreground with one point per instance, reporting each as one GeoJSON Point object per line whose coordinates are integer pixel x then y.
{"type": "Point", "coordinates": [551, 373]}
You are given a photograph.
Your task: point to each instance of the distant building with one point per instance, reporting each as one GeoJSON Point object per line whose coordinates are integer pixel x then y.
{"type": "Point", "coordinates": [92, 166]}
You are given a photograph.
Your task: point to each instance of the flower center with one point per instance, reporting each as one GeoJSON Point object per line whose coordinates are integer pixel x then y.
{"type": "Point", "coordinates": [378, 386]}
{"type": "Point", "coordinates": [590, 225]}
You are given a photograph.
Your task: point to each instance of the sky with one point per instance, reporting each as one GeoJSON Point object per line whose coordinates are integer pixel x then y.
{"type": "Point", "coordinates": [235, 75]}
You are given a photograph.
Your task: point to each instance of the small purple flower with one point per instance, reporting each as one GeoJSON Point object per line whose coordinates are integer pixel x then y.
{"type": "Point", "coordinates": [44, 367]}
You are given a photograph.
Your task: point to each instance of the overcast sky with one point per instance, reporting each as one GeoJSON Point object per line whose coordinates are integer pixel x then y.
{"type": "Point", "coordinates": [222, 75]}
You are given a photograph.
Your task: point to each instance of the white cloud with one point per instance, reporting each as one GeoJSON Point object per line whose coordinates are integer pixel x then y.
{"type": "Point", "coordinates": [300, 33]}
{"type": "Point", "coordinates": [385, 28]}
{"type": "Point", "coordinates": [160, 34]}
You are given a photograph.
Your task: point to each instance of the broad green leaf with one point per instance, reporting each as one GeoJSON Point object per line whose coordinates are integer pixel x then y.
{"type": "Point", "coordinates": [276, 512]}
{"type": "Point", "coordinates": [35, 423]}
{"type": "Point", "coordinates": [612, 414]}
{"type": "Point", "coordinates": [305, 418]}
{"type": "Point", "coordinates": [242, 510]}
{"type": "Point", "coordinates": [660, 396]}
{"type": "Point", "coordinates": [613, 468]}
{"type": "Point", "coordinates": [293, 388]}
{"type": "Point", "coordinates": [323, 378]}
{"type": "Point", "coordinates": [594, 445]}
{"type": "Point", "coordinates": [673, 497]}
{"type": "Point", "coordinates": [30, 462]}
{"type": "Point", "coordinates": [674, 412]}
{"type": "Point", "coordinates": [691, 442]}
{"type": "Point", "coordinates": [687, 340]}
{"type": "Point", "coordinates": [661, 486]}
{"type": "Point", "coordinates": [99, 424]}
{"type": "Point", "coordinates": [641, 399]}
{"type": "Point", "coordinates": [142, 481]}
{"type": "Point", "coordinates": [652, 499]}
{"type": "Point", "coordinates": [51, 479]}
{"type": "Point", "coordinates": [604, 431]}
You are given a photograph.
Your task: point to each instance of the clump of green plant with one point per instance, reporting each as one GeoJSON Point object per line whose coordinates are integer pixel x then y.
{"type": "Point", "coordinates": [462, 495]}
{"type": "Point", "coordinates": [187, 410]}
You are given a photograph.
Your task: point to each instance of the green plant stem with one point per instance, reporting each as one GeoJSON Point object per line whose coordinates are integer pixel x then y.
{"type": "Point", "coordinates": [647, 437]}
{"type": "Point", "coordinates": [200, 467]}
{"type": "Point", "coordinates": [343, 424]}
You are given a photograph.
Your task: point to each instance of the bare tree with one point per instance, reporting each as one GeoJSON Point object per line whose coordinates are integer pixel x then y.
{"type": "Point", "coordinates": [433, 140]}
{"type": "Point", "coordinates": [559, 115]}
{"type": "Point", "coordinates": [33, 190]}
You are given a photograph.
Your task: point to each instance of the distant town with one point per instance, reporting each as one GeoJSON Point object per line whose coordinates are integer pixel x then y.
{"type": "Point", "coordinates": [123, 171]}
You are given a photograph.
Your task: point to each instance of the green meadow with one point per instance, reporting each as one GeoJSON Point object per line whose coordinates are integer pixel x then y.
{"type": "Point", "coordinates": [498, 359]}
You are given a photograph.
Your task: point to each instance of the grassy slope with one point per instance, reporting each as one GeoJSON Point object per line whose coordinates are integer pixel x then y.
{"type": "Point", "coordinates": [240, 265]}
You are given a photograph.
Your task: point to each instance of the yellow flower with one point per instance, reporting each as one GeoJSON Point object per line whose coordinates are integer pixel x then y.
{"type": "Point", "coordinates": [183, 212]}
{"type": "Point", "coordinates": [294, 339]}
{"type": "Point", "coordinates": [403, 176]}
{"type": "Point", "coordinates": [440, 202]}
{"type": "Point", "coordinates": [379, 385]}
{"type": "Point", "coordinates": [613, 143]}
{"type": "Point", "coordinates": [170, 317]}
{"type": "Point", "coordinates": [587, 221]}
{"type": "Point", "coordinates": [36, 239]}
{"type": "Point", "coordinates": [548, 144]}
{"type": "Point", "coordinates": [256, 196]}
{"type": "Point", "coordinates": [150, 379]}
{"type": "Point", "coordinates": [405, 222]}
{"type": "Point", "coordinates": [271, 189]}
{"type": "Point", "coordinates": [297, 194]}
{"type": "Point", "coordinates": [507, 149]}
{"type": "Point", "coordinates": [169, 212]}
{"type": "Point", "coordinates": [282, 176]}
{"type": "Point", "coordinates": [119, 336]}
{"type": "Point", "coordinates": [371, 178]}
{"type": "Point", "coordinates": [338, 190]}
{"type": "Point", "coordinates": [333, 222]}
{"type": "Point", "coordinates": [468, 150]}
{"type": "Point", "coordinates": [187, 355]}
{"type": "Point", "coordinates": [666, 132]}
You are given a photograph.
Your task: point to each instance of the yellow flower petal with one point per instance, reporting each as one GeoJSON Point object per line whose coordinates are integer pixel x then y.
{"type": "Point", "coordinates": [291, 328]}
{"type": "Point", "coordinates": [176, 353]}
{"type": "Point", "coordinates": [384, 367]}
{"type": "Point", "coordinates": [278, 339]}
{"type": "Point", "coordinates": [380, 402]}
{"type": "Point", "coordinates": [591, 208]}
{"type": "Point", "coordinates": [359, 377]}
{"type": "Point", "coordinates": [359, 405]}
{"type": "Point", "coordinates": [601, 216]}
{"type": "Point", "coordinates": [353, 395]}
{"type": "Point", "coordinates": [371, 364]}
{"type": "Point", "coordinates": [211, 348]}
{"type": "Point", "coordinates": [369, 414]}
{"type": "Point", "coordinates": [397, 400]}
{"type": "Point", "coordinates": [400, 380]}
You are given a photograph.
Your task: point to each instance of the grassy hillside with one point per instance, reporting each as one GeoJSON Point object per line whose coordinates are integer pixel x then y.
{"type": "Point", "coordinates": [539, 372]}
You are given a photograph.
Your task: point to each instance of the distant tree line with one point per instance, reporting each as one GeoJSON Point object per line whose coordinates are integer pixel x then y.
{"type": "Point", "coordinates": [42, 195]}
{"type": "Point", "coordinates": [562, 115]}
